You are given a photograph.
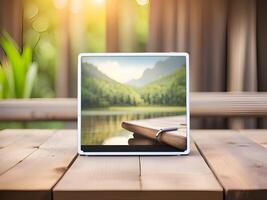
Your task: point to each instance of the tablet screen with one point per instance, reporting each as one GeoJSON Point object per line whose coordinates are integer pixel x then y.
{"type": "Point", "coordinates": [133, 103]}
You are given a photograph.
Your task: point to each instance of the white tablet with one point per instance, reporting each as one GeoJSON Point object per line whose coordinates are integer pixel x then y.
{"type": "Point", "coordinates": [133, 104]}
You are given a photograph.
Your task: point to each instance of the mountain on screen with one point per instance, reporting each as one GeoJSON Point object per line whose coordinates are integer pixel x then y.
{"type": "Point", "coordinates": [161, 69]}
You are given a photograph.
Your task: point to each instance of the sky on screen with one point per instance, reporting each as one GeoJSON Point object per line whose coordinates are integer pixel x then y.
{"type": "Point", "coordinates": [124, 68]}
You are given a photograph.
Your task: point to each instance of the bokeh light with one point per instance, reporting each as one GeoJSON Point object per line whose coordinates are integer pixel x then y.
{"type": "Point", "coordinates": [41, 24]}
{"type": "Point", "coordinates": [142, 2]}
{"type": "Point", "coordinates": [76, 6]}
{"type": "Point", "coordinates": [60, 4]}
{"type": "Point", "coordinates": [31, 11]}
{"type": "Point", "coordinates": [98, 2]}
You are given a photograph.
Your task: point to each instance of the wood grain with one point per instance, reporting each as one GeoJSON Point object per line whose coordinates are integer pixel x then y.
{"type": "Point", "coordinates": [149, 128]}
{"type": "Point", "coordinates": [35, 175]}
{"type": "Point", "coordinates": [186, 177]}
{"type": "Point", "coordinates": [201, 104]}
{"type": "Point", "coordinates": [106, 178]}
{"type": "Point", "coordinates": [16, 145]}
{"type": "Point", "coordinates": [259, 136]}
{"type": "Point", "coordinates": [100, 178]}
{"type": "Point", "coordinates": [239, 164]}
{"type": "Point", "coordinates": [9, 136]}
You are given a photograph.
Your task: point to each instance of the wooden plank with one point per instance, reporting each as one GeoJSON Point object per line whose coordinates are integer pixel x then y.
{"type": "Point", "coordinates": [104, 178]}
{"type": "Point", "coordinates": [239, 164]}
{"type": "Point", "coordinates": [243, 104]}
{"type": "Point", "coordinates": [186, 177]}
{"type": "Point", "coordinates": [35, 176]}
{"type": "Point", "coordinates": [99, 178]}
{"type": "Point", "coordinates": [9, 136]}
{"type": "Point", "coordinates": [16, 145]}
{"type": "Point", "coordinates": [259, 136]}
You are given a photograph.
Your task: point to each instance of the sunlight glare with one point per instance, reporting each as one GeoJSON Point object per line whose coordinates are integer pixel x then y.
{"type": "Point", "coordinates": [76, 6]}
{"type": "Point", "coordinates": [142, 2]}
{"type": "Point", "coordinates": [31, 11]}
{"type": "Point", "coordinates": [120, 73]}
{"type": "Point", "coordinates": [98, 2]}
{"type": "Point", "coordinates": [60, 4]}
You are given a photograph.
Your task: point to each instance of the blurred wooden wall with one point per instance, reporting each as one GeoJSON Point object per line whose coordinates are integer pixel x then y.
{"type": "Point", "coordinates": [262, 50]}
{"type": "Point", "coordinates": [226, 41]}
{"type": "Point", "coordinates": [63, 67]}
{"type": "Point", "coordinates": [112, 26]}
{"type": "Point", "coordinates": [11, 19]}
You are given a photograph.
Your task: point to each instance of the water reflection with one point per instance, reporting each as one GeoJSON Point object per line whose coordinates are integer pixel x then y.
{"type": "Point", "coordinates": [96, 129]}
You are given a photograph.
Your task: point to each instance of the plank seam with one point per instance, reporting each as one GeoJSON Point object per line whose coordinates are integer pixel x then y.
{"type": "Point", "coordinates": [214, 174]}
{"type": "Point", "coordinates": [35, 149]}
{"type": "Point", "coordinates": [140, 173]}
{"type": "Point", "coordinates": [68, 167]}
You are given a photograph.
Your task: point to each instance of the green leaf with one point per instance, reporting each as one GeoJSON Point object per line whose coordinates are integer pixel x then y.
{"type": "Point", "coordinates": [26, 57]}
{"type": "Point", "coordinates": [2, 80]}
{"type": "Point", "coordinates": [4, 84]}
{"type": "Point", "coordinates": [19, 74]}
{"type": "Point", "coordinates": [10, 83]}
{"type": "Point", "coordinates": [29, 81]}
{"type": "Point", "coordinates": [13, 55]}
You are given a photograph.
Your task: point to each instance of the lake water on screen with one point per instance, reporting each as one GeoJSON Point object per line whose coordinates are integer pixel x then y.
{"type": "Point", "coordinates": [100, 127]}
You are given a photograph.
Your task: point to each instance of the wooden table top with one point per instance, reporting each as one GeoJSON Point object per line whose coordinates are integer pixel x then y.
{"type": "Point", "coordinates": [43, 164]}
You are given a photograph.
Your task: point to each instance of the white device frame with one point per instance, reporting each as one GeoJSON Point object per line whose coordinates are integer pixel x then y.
{"type": "Point", "coordinates": [134, 54]}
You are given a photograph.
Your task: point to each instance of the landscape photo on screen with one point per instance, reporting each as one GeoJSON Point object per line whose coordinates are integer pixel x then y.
{"type": "Point", "coordinates": [126, 100]}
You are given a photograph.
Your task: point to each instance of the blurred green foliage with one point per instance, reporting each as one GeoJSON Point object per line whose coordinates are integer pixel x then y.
{"type": "Point", "coordinates": [18, 72]}
{"type": "Point", "coordinates": [87, 33]}
{"type": "Point", "coordinates": [34, 125]}
{"type": "Point", "coordinates": [40, 26]}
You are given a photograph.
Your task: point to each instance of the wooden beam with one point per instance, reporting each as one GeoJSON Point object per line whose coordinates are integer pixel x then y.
{"type": "Point", "coordinates": [228, 104]}
{"type": "Point", "coordinates": [38, 109]}
{"type": "Point", "coordinates": [247, 104]}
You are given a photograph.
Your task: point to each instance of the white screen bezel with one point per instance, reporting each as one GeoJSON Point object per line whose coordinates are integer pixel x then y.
{"type": "Point", "coordinates": [187, 150]}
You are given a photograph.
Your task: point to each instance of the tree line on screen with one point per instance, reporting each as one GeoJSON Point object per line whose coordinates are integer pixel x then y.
{"type": "Point", "coordinates": [98, 90]}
